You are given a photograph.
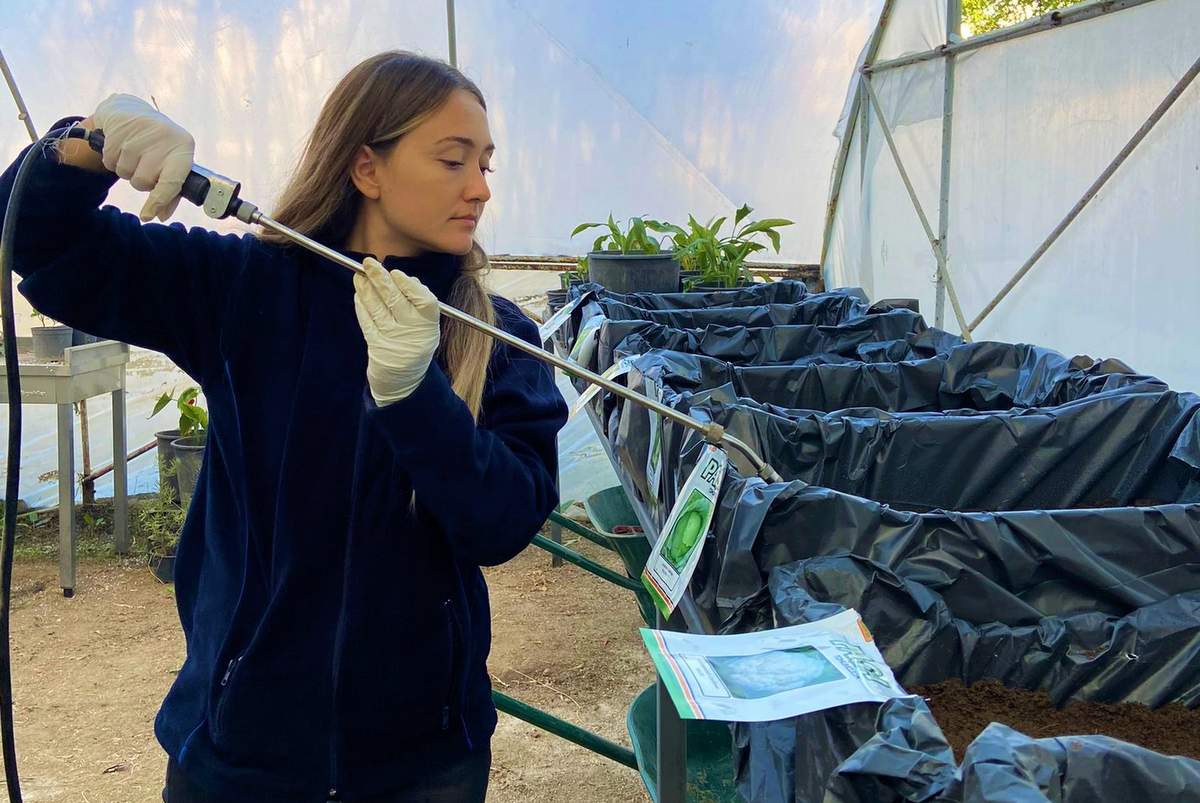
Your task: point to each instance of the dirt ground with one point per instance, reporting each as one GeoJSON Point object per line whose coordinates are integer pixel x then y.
{"type": "Point", "coordinates": [90, 672]}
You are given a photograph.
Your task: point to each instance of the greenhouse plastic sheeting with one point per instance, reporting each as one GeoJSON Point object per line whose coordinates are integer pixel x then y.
{"type": "Point", "coordinates": [896, 751]}
{"type": "Point", "coordinates": [1034, 121]}
{"type": "Point", "coordinates": [590, 95]}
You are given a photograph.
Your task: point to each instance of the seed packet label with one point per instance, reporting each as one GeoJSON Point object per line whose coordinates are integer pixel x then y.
{"type": "Point", "coordinates": [654, 452]}
{"type": "Point", "coordinates": [772, 674]}
{"type": "Point", "coordinates": [585, 342]}
{"type": "Point", "coordinates": [614, 371]}
{"type": "Point", "coordinates": [677, 551]}
{"type": "Point", "coordinates": [556, 321]}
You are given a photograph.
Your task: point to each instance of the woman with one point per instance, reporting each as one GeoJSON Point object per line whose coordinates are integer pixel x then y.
{"type": "Point", "coordinates": [364, 458]}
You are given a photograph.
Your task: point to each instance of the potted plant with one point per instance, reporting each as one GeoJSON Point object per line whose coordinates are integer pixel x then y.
{"type": "Point", "coordinates": [630, 261]}
{"type": "Point", "coordinates": [50, 339]}
{"type": "Point", "coordinates": [186, 453]}
{"type": "Point", "coordinates": [576, 275]}
{"type": "Point", "coordinates": [160, 520]}
{"type": "Point", "coordinates": [721, 261]}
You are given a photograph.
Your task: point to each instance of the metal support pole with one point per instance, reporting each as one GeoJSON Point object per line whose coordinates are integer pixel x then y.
{"type": "Point", "coordinates": [451, 33]}
{"type": "Point", "coordinates": [120, 471]}
{"type": "Point", "coordinates": [953, 34]}
{"type": "Point", "coordinates": [555, 527]}
{"type": "Point", "coordinates": [672, 743]}
{"type": "Point", "coordinates": [912, 194]}
{"type": "Point", "coordinates": [572, 733]}
{"type": "Point", "coordinates": [1053, 19]}
{"type": "Point", "coordinates": [66, 498]}
{"type": "Point", "coordinates": [1108, 172]}
{"type": "Point", "coordinates": [22, 110]}
{"type": "Point", "coordinates": [839, 165]}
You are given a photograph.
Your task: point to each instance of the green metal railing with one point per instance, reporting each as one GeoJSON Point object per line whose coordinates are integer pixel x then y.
{"type": "Point", "coordinates": [559, 727]}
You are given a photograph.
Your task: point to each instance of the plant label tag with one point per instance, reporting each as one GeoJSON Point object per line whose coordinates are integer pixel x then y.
{"type": "Point", "coordinates": [586, 340]}
{"type": "Point", "coordinates": [654, 450]}
{"type": "Point", "coordinates": [556, 321]}
{"type": "Point", "coordinates": [614, 371]}
{"type": "Point", "coordinates": [677, 550]}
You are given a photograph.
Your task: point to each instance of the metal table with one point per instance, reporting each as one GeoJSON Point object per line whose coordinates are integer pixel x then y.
{"type": "Point", "coordinates": [84, 372]}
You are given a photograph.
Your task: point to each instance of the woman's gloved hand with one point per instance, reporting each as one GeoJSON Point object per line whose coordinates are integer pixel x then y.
{"type": "Point", "coordinates": [400, 320]}
{"type": "Point", "coordinates": [143, 145]}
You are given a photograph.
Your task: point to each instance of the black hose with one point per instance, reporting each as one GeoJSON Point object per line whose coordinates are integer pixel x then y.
{"type": "Point", "coordinates": [12, 486]}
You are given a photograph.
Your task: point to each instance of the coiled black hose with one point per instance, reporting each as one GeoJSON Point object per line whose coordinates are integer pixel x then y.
{"type": "Point", "coordinates": [12, 485]}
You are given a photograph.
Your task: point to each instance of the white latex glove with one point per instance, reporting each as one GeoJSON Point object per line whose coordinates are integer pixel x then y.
{"type": "Point", "coordinates": [399, 318]}
{"type": "Point", "coordinates": [143, 145]}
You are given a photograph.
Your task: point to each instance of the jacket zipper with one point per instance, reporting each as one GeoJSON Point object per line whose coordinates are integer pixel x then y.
{"type": "Point", "coordinates": [451, 628]}
{"type": "Point", "coordinates": [225, 679]}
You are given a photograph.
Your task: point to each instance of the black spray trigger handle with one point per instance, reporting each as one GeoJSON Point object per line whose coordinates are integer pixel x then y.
{"type": "Point", "coordinates": [195, 186]}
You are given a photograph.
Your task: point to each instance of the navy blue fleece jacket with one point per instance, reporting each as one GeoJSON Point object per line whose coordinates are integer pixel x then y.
{"type": "Point", "coordinates": [336, 638]}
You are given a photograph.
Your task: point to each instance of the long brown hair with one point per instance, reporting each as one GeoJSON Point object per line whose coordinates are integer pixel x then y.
{"type": "Point", "coordinates": [376, 103]}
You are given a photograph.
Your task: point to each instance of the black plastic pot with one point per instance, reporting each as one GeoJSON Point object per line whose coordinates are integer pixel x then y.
{"type": "Point", "coordinates": [557, 299]}
{"type": "Point", "coordinates": [49, 342]}
{"type": "Point", "coordinates": [163, 566]}
{"type": "Point", "coordinates": [634, 273]}
{"type": "Point", "coordinates": [189, 454]}
{"type": "Point", "coordinates": [168, 480]}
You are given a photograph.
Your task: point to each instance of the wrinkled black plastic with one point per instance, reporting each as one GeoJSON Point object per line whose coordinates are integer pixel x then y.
{"type": "Point", "coordinates": [1137, 445]}
{"type": "Point", "coordinates": [977, 376]}
{"type": "Point", "coordinates": [905, 756]}
{"type": "Point", "coordinates": [757, 345]}
{"type": "Point", "coordinates": [782, 292]}
{"type": "Point", "coordinates": [826, 309]}
{"type": "Point", "coordinates": [992, 510]}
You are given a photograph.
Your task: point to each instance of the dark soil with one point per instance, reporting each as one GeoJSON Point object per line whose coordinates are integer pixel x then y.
{"type": "Point", "coordinates": [964, 711]}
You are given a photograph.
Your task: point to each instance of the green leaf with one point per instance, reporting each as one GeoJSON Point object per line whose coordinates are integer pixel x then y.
{"type": "Point", "coordinates": [162, 402]}
{"type": "Point", "coordinates": [188, 395]}
{"type": "Point", "coordinates": [585, 227]}
{"type": "Point", "coordinates": [716, 225]}
{"type": "Point", "coordinates": [764, 225]}
{"type": "Point", "coordinates": [742, 213]}
{"type": "Point", "coordinates": [617, 237]}
{"type": "Point", "coordinates": [598, 245]}
{"type": "Point", "coordinates": [774, 237]}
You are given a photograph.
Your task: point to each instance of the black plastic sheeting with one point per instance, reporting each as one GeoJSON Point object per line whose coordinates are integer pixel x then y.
{"type": "Point", "coordinates": [826, 309]}
{"type": "Point", "coordinates": [1132, 446]}
{"type": "Point", "coordinates": [757, 345]}
{"type": "Point", "coordinates": [991, 510]}
{"type": "Point", "coordinates": [782, 292]}
{"type": "Point", "coordinates": [977, 376]}
{"type": "Point", "coordinates": [896, 751]}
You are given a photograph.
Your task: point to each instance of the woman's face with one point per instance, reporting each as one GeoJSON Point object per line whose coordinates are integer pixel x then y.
{"type": "Point", "coordinates": [430, 187]}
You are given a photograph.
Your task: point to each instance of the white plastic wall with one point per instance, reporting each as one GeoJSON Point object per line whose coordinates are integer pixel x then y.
{"type": "Point", "coordinates": [1035, 121]}
{"type": "Point", "coordinates": [658, 108]}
